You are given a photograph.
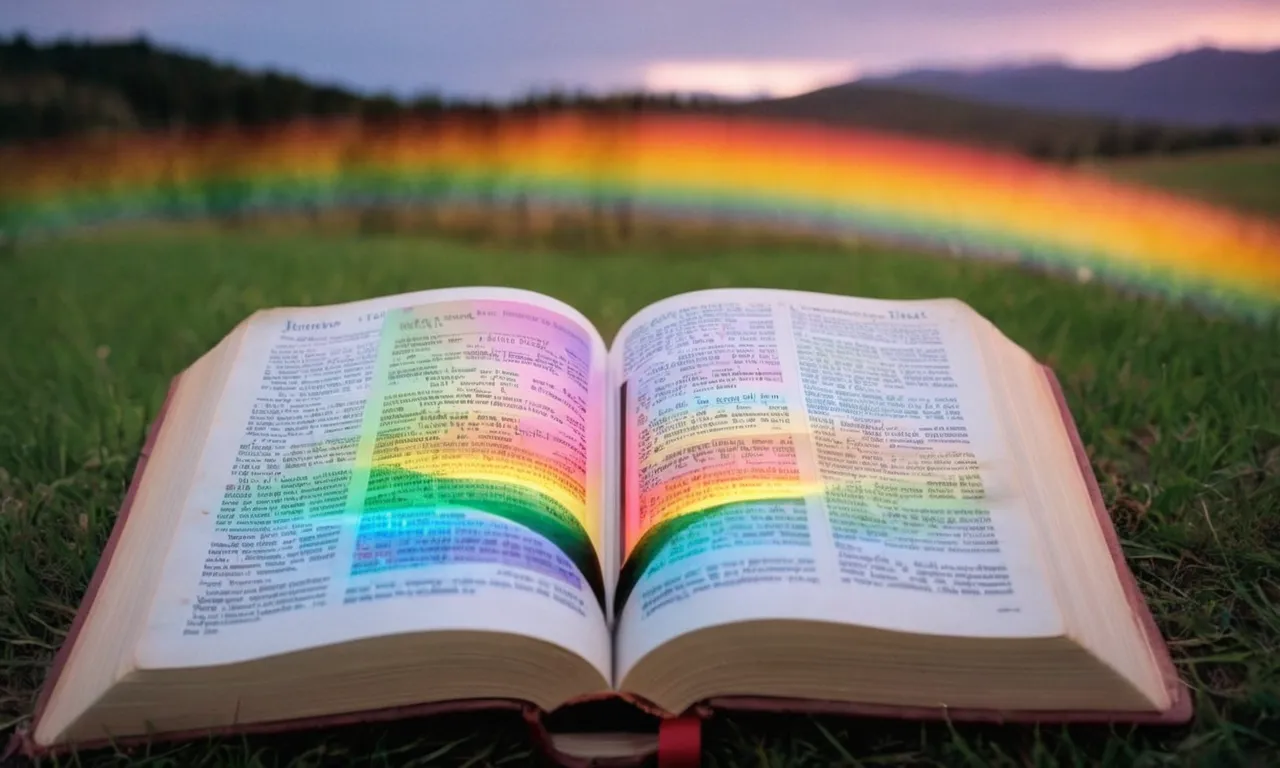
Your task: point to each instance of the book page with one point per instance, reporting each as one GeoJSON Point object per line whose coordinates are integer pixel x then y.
{"type": "Point", "coordinates": [421, 462]}
{"type": "Point", "coordinates": [793, 455]}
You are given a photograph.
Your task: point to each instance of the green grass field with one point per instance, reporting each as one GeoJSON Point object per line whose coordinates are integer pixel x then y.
{"type": "Point", "coordinates": [1178, 409]}
{"type": "Point", "coordinates": [1247, 179]}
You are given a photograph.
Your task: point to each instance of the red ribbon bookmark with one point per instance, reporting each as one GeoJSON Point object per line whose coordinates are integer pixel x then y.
{"type": "Point", "coordinates": [680, 742]}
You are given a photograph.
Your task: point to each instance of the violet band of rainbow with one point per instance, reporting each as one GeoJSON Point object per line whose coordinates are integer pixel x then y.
{"type": "Point", "coordinates": [902, 189]}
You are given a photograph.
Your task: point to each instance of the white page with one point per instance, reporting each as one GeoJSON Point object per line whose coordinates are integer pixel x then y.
{"type": "Point", "coordinates": [815, 457]}
{"type": "Point", "coordinates": [371, 469]}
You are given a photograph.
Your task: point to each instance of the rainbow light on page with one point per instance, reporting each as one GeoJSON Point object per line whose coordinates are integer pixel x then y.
{"type": "Point", "coordinates": [729, 477]}
{"type": "Point", "coordinates": [659, 539]}
{"type": "Point", "coordinates": [472, 444]}
{"type": "Point", "coordinates": [965, 200]}
{"type": "Point", "coordinates": [526, 475]}
{"type": "Point", "coordinates": [406, 519]}
{"type": "Point", "coordinates": [478, 410]}
{"type": "Point", "coordinates": [414, 519]}
{"type": "Point", "coordinates": [864, 509]}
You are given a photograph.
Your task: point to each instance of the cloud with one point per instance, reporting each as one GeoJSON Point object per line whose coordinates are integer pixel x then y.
{"type": "Point", "coordinates": [746, 78]}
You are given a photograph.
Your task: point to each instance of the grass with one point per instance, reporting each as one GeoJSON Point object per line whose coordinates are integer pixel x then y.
{"type": "Point", "coordinates": [1178, 409]}
{"type": "Point", "coordinates": [1248, 179]}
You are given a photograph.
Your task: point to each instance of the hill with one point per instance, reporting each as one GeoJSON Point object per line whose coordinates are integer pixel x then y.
{"type": "Point", "coordinates": [70, 87]}
{"type": "Point", "coordinates": [67, 88]}
{"type": "Point", "coordinates": [1203, 87]}
{"type": "Point", "coordinates": [942, 117]}
{"type": "Point", "coordinates": [1042, 134]}
{"type": "Point", "coordinates": [53, 90]}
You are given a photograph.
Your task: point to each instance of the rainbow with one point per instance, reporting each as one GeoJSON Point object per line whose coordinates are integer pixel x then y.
{"type": "Point", "coordinates": [963, 200]}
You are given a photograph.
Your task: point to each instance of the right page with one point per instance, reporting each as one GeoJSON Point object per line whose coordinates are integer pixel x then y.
{"type": "Point", "coordinates": [789, 455]}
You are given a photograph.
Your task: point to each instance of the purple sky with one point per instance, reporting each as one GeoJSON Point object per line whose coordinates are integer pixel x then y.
{"type": "Point", "coordinates": [501, 48]}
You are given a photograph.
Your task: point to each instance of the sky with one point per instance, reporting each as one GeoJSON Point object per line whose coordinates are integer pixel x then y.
{"type": "Point", "coordinates": [500, 49]}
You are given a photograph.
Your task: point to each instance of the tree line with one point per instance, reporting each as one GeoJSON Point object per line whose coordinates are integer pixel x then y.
{"type": "Point", "coordinates": [66, 88]}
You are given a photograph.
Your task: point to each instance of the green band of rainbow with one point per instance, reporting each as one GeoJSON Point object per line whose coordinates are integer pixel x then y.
{"type": "Point", "coordinates": [962, 199]}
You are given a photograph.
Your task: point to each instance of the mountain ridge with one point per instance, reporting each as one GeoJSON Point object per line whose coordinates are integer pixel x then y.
{"type": "Point", "coordinates": [1205, 86]}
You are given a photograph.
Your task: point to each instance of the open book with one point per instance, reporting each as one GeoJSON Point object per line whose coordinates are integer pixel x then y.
{"type": "Point", "coordinates": [765, 497]}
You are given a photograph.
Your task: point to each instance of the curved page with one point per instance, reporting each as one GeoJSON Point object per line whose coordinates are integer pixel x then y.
{"type": "Point", "coordinates": [422, 462]}
{"type": "Point", "coordinates": [793, 455]}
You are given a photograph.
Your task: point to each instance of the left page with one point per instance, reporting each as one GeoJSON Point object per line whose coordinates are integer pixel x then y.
{"type": "Point", "coordinates": [429, 461]}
